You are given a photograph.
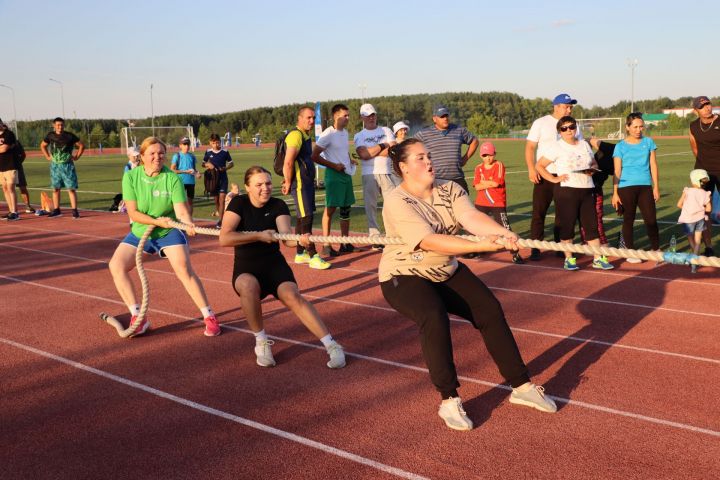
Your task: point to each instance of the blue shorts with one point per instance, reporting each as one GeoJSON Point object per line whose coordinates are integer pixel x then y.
{"type": "Point", "coordinates": [690, 228]}
{"type": "Point", "coordinates": [157, 245]}
{"type": "Point", "coordinates": [63, 175]}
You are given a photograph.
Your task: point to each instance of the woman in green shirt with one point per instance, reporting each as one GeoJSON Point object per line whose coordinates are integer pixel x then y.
{"type": "Point", "coordinates": [154, 195]}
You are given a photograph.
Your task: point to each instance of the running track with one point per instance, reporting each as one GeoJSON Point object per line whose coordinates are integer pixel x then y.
{"type": "Point", "coordinates": [632, 356]}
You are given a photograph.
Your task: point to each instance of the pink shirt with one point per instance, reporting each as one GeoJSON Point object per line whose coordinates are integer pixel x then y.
{"type": "Point", "coordinates": [693, 209]}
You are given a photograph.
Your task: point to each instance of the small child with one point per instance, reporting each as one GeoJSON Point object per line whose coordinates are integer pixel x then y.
{"type": "Point", "coordinates": [695, 204]}
{"type": "Point", "coordinates": [234, 192]}
{"type": "Point", "coordinates": [489, 182]}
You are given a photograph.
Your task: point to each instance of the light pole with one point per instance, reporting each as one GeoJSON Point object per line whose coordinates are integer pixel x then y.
{"type": "Point", "coordinates": [62, 94]}
{"type": "Point", "coordinates": [14, 110]}
{"type": "Point", "coordinates": [362, 87]}
{"type": "Point", "coordinates": [152, 110]}
{"type": "Point", "coordinates": [632, 64]}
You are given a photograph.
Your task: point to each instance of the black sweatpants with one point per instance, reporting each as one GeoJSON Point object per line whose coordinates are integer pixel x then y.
{"type": "Point", "coordinates": [465, 295]}
{"type": "Point", "coordinates": [639, 196]}
{"type": "Point", "coordinates": [543, 194]}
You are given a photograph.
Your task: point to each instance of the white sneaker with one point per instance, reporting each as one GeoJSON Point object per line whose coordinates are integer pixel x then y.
{"type": "Point", "coordinates": [264, 353]}
{"type": "Point", "coordinates": [451, 411]}
{"type": "Point", "coordinates": [633, 260]}
{"type": "Point", "coordinates": [533, 396]}
{"type": "Point", "coordinates": [337, 356]}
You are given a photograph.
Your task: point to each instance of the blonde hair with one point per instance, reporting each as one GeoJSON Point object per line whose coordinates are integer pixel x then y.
{"type": "Point", "coordinates": [151, 141]}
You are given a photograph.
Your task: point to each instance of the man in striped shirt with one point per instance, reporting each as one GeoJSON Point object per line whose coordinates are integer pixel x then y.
{"type": "Point", "coordinates": [444, 141]}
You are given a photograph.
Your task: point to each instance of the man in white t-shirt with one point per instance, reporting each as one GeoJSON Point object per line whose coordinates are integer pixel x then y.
{"type": "Point", "coordinates": [332, 151]}
{"type": "Point", "coordinates": [543, 133]}
{"type": "Point", "coordinates": [372, 144]}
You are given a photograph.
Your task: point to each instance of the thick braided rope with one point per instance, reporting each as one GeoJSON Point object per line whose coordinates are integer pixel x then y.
{"type": "Point", "coordinates": [658, 256]}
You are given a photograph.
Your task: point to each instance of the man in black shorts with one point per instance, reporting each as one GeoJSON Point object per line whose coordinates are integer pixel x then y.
{"type": "Point", "coordinates": [8, 173]}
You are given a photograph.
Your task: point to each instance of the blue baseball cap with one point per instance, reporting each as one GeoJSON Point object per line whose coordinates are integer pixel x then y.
{"type": "Point", "coordinates": [564, 99]}
{"type": "Point", "coordinates": [440, 110]}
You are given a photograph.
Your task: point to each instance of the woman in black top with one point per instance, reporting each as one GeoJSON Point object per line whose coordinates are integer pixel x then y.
{"type": "Point", "coordinates": [260, 269]}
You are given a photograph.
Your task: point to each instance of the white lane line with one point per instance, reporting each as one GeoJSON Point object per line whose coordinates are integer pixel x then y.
{"type": "Point", "coordinates": [453, 318]}
{"type": "Point", "coordinates": [577, 403]}
{"type": "Point", "coordinates": [219, 413]}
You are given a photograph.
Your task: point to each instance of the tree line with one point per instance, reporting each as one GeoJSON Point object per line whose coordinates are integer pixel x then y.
{"type": "Point", "coordinates": [483, 113]}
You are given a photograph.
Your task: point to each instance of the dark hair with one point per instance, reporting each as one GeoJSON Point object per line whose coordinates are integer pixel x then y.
{"type": "Point", "coordinates": [398, 153]}
{"type": "Point", "coordinates": [633, 116]}
{"type": "Point", "coordinates": [337, 107]}
{"type": "Point", "coordinates": [214, 136]}
{"type": "Point", "coordinates": [565, 119]}
{"type": "Point", "coordinates": [252, 171]}
{"type": "Point", "coordinates": [58, 119]}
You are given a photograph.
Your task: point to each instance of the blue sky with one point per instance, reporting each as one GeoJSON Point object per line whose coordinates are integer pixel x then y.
{"type": "Point", "coordinates": [219, 56]}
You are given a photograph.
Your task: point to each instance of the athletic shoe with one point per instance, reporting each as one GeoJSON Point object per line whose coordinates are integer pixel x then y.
{"type": "Point", "coordinates": [318, 263]}
{"type": "Point", "coordinates": [55, 213]}
{"type": "Point", "coordinates": [41, 212]}
{"type": "Point", "coordinates": [142, 328]}
{"type": "Point", "coordinates": [75, 213]}
{"type": "Point", "coordinates": [709, 252]}
{"type": "Point", "coordinates": [10, 217]}
{"type": "Point", "coordinates": [602, 263]}
{"type": "Point", "coordinates": [301, 258]}
{"type": "Point", "coordinates": [633, 260]}
{"type": "Point", "coordinates": [571, 264]}
{"type": "Point", "coordinates": [337, 356]}
{"type": "Point", "coordinates": [328, 251]}
{"type": "Point", "coordinates": [264, 353]}
{"type": "Point", "coordinates": [346, 248]}
{"type": "Point", "coordinates": [517, 259]}
{"type": "Point", "coordinates": [534, 255]}
{"type": "Point", "coordinates": [533, 396]}
{"type": "Point", "coordinates": [212, 327]}
{"type": "Point", "coordinates": [377, 247]}
{"type": "Point", "coordinates": [693, 268]}
{"type": "Point", "coordinates": [452, 412]}
{"type": "Point", "coordinates": [218, 225]}
{"type": "Point", "coordinates": [30, 210]}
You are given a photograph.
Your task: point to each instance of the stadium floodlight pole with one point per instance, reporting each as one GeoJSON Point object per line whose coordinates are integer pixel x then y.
{"type": "Point", "coordinates": [362, 87]}
{"type": "Point", "coordinates": [62, 94]}
{"type": "Point", "coordinates": [12, 90]}
{"type": "Point", "coordinates": [632, 64]}
{"type": "Point", "coordinates": [152, 110]}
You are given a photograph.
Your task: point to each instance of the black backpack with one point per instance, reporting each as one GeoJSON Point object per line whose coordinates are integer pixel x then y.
{"type": "Point", "coordinates": [280, 149]}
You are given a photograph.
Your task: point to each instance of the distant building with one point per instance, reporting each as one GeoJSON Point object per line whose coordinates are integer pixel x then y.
{"type": "Point", "coordinates": [655, 118]}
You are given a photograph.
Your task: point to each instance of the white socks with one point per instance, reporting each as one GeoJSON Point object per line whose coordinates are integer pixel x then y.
{"type": "Point", "coordinates": [207, 312]}
{"type": "Point", "coordinates": [327, 340]}
{"type": "Point", "coordinates": [260, 337]}
{"type": "Point", "coordinates": [134, 310]}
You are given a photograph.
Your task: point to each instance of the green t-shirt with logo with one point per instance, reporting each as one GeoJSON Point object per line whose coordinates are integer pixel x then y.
{"type": "Point", "coordinates": [154, 196]}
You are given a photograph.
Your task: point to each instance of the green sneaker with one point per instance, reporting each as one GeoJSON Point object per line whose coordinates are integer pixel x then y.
{"type": "Point", "coordinates": [602, 263]}
{"type": "Point", "coordinates": [318, 263]}
{"type": "Point", "coordinates": [571, 264]}
{"type": "Point", "coordinates": [302, 257]}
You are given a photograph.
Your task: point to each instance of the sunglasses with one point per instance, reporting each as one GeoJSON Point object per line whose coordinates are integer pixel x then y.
{"type": "Point", "coordinates": [568, 127]}
{"type": "Point", "coordinates": [487, 155]}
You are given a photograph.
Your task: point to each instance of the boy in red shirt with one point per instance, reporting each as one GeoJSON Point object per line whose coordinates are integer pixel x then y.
{"type": "Point", "coordinates": [489, 182]}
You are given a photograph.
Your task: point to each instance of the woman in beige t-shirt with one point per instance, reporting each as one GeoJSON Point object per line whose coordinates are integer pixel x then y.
{"type": "Point", "coordinates": [423, 280]}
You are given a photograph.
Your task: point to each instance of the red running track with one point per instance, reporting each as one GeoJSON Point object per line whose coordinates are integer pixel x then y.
{"type": "Point", "coordinates": [632, 356]}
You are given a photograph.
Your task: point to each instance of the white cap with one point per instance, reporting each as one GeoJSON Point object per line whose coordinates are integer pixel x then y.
{"type": "Point", "coordinates": [132, 152]}
{"type": "Point", "coordinates": [697, 175]}
{"type": "Point", "coordinates": [366, 110]}
{"type": "Point", "coordinates": [399, 126]}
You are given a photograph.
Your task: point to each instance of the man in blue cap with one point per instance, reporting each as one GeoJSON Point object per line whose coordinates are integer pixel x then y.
{"type": "Point", "coordinates": [543, 133]}
{"type": "Point", "coordinates": [444, 141]}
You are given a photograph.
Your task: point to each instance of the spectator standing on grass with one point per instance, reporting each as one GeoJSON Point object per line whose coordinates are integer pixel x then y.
{"type": "Point", "coordinates": [219, 160]}
{"type": "Point", "coordinates": [705, 145]}
{"type": "Point", "coordinates": [400, 130]}
{"type": "Point", "coordinates": [423, 280]}
{"type": "Point", "coordinates": [184, 163]}
{"type": "Point", "coordinates": [372, 144]}
{"type": "Point", "coordinates": [543, 134]}
{"type": "Point", "coordinates": [574, 164]}
{"type": "Point", "coordinates": [444, 140]}
{"type": "Point", "coordinates": [58, 147]}
{"type": "Point", "coordinates": [22, 180]}
{"type": "Point", "coordinates": [261, 270]}
{"type": "Point", "coordinates": [695, 204]}
{"type": "Point", "coordinates": [491, 198]}
{"type": "Point", "coordinates": [332, 151]}
{"type": "Point", "coordinates": [635, 184]}
{"type": "Point", "coordinates": [604, 160]}
{"type": "Point", "coordinates": [8, 170]}
{"type": "Point", "coordinates": [299, 182]}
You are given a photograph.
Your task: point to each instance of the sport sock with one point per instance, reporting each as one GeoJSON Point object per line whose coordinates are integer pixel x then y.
{"type": "Point", "coordinates": [327, 340]}
{"type": "Point", "coordinates": [134, 310]}
{"type": "Point", "coordinates": [260, 336]}
{"type": "Point", "coordinates": [206, 312]}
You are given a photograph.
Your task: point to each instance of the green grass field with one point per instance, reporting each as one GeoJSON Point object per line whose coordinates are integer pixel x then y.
{"type": "Point", "coordinates": [100, 179]}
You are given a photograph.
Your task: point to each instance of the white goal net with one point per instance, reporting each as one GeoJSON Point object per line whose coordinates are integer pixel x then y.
{"type": "Point", "coordinates": [602, 128]}
{"type": "Point", "coordinates": [134, 136]}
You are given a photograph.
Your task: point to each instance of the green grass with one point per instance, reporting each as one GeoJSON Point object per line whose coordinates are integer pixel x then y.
{"type": "Point", "coordinates": [100, 179]}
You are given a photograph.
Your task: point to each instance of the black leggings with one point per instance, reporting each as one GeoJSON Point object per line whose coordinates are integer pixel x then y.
{"type": "Point", "coordinates": [631, 198]}
{"type": "Point", "coordinates": [543, 194]}
{"type": "Point", "coordinates": [465, 295]}
{"type": "Point", "coordinates": [571, 204]}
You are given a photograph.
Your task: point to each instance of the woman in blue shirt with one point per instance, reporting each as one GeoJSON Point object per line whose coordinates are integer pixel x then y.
{"type": "Point", "coordinates": [636, 182]}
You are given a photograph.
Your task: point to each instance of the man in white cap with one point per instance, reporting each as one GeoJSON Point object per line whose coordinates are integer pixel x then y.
{"type": "Point", "coordinates": [372, 144]}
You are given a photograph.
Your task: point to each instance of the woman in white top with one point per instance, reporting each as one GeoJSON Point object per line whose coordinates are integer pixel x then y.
{"type": "Point", "coordinates": [574, 197]}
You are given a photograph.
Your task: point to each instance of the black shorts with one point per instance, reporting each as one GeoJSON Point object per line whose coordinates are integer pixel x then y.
{"type": "Point", "coordinates": [271, 271]}
{"type": "Point", "coordinates": [190, 191]}
{"type": "Point", "coordinates": [22, 181]}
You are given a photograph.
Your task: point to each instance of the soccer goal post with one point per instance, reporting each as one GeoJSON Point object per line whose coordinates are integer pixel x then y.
{"type": "Point", "coordinates": [134, 136]}
{"type": "Point", "coordinates": [602, 128]}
